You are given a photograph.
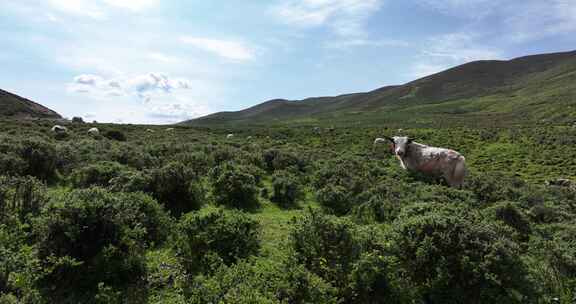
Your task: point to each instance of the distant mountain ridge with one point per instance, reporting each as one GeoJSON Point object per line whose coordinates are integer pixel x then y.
{"type": "Point", "coordinates": [529, 88]}
{"type": "Point", "coordinates": [14, 106]}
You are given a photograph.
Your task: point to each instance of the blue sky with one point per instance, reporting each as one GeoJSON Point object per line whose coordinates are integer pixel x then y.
{"type": "Point", "coordinates": [152, 61]}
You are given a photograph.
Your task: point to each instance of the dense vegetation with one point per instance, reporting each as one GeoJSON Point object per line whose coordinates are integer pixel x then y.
{"type": "Point", "coordinates": [286, 216]}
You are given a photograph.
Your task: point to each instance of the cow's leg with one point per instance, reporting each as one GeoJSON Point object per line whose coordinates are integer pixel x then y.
{"type": "Point", "coordinates": [456, 177]}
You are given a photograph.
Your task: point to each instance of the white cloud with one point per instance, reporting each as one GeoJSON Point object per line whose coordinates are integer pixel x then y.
{"type": "Point", "coordinates": [554, 17]}
{"type": "Point", "coordinates": [99, 9]}
{"type": "Point", "coordinates": [516, 20]}
{"type": "Point", "coordinates": [133, 5]}
{"type": "Point", "coordinates": [475, 9]}
{"type": "Point", "coordinates": [163, 58]}
{"type": "Point", "coordinates": [229, 49]}
{"type": "Point", "coordinates": [176, 112]}
{"type": "Point", "coordinates": [449, 50]}
{"type": "Point", "coordinates": [359, 42]}
{"type": "Point", "coordinates": [79, 7]}
{"type": "Point", "coordinates": [345, 17]}
{"type": "Point", "coordinates": [145, 87]}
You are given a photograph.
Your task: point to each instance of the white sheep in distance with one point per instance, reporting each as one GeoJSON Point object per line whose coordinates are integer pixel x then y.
{"type": "Point", "coordinates": [94, 131]}
{"type": "Point", "coordinates": [432, 161]}
{"type": "Point", "coordinates": [230, 136]}
{"type": "Point", "coordinates": [59, 129]}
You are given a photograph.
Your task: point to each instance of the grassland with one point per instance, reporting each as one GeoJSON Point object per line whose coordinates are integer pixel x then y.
{"type": "Point", "coordinates": [346, 238]}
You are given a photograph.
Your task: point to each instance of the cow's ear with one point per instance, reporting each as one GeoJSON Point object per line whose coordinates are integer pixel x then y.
{"type": "Point", "coordinates": [391, 148]}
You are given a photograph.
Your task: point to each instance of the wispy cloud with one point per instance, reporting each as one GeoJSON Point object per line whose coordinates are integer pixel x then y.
{"type": "Point", "coordinates": [229, 49]}
{"type": "Point", "coordinates": [518, 21]}
{"type": "Point", "coordinates": [449, 50]}
{"type": "Point", "coordinates": [360, 42]}
{"type": "Point", "coordinates": [142, 86]}
{"type": "Point", "coordinates": [344, 17]}
{"type": "Point", "coordinates": [99, 9]}
{"type": "Point", "coordinates": [474, 9]}
{"type": "Point", "coordinates": [554, 17]}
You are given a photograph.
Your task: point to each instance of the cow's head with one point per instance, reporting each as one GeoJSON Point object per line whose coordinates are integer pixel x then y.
{"type": "Point", "coordinates": [399, 144]}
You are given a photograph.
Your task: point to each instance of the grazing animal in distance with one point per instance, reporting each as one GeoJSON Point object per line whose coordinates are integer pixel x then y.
{"type": "Point", "coordinates": [149, 130]}
{"type": "Point", "coordinates": [229, 136]}
{"type": "Point", "coordinates": [169, 129]}
{"type": "Point", "coordinates": [59, 129]}
{"type": "Point", "coordinates": [431, 161]}
{"type": "Point", "coordinates": [94, 131]}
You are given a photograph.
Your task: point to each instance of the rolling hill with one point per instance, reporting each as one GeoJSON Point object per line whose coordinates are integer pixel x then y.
{"type": "Point", "coordinates": [536, 88]}
{"type": "Point", "coordinates": [14, 106]}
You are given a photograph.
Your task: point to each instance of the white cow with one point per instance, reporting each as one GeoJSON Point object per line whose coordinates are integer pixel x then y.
{"type": "Point", "coordinates": [229, 136]}
{"type": "Point", "coordinates": [59, 129]}
{"type": "Point", "coordinates": [432, 161]}
{"type": "Point", "coordinates": [94, 131]}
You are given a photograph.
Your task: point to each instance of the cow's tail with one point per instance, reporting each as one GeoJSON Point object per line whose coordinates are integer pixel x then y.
{"type": "Point", "coordinates": [460, 172]}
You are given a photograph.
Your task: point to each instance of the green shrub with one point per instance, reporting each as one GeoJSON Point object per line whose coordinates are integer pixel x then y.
{"type": "Point", "coordinates": [286, 189]}
{"type": "Point", "coordinates": [98, 174]}
{"type": "Point", "coordinates": [326, 246]}
{"type": "Point", "coordinates": [40, 158]}
{"type": "Point", "coordinates": [214, 236]}
{"type": "Point", "coordinates": [261, 282]}
{"type": "Point", "coordinates": [21, 197]}
{"type": "Point", "coordinates": [275, 159]}
{"type": "Point", "coordinates": [451, 258]}
{"type": "Point", "coordinates": [511, 215]}
{"type": "Point", "coordinates": [12, 164]}
{"type": "Point", "coordinates": [199, 162]}
{"type": "Point", "coordinates": [493, 187]}
{"type": "Point", "coordinates": [17, 265]}
{"type": "Point", "coordinates": [88, 237]}
{"type": "Point", "coordinates": [336, 199]}
{"type": "Point", "coordinates": [131, 181]}
{"type": "Point", "coordinates": [178, 188]}
{"type": "Point", "coordinates": [236, 284]}
{"type": "Point", "coordinates": [115, 135]}
{"type": "Point", "coordinates": [132, 156]}
{"type": "Point", "coordinates": [369, 281]}
{"type": "Point", "coordinates": [234, 188]}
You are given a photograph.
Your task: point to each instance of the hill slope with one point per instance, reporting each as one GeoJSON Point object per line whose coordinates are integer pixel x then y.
{"type": "Point", "coordinates": [525, 89]}
{"type": "Point", "coordinates": [12, 105]}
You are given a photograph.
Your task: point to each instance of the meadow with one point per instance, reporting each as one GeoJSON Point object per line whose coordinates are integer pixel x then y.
{"type": "Point", "coordinates": [141, 214]}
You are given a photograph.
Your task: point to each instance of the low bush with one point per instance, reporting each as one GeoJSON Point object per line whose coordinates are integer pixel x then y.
{"type": "Point", "coordinates": [177, 187]}
{"type": "Point", "coordinates": [12, 164]}
{"type": "Point", "coordinates": [206, 240]}
{"type": "Point", "coordinates": [275, 159]}
{"type": "Point", "coordinates": [326, 246]}
{"type": "Point", "coordinates": [287, 190]}
{"type": "Point", "coordinates": [40, 158]}
{"type": "Point", "coordinates": [115, 135]}
{"type": "Point", "coordinates": [450, 257]}
{"type": "Point", "coordinates": [261, 282]}
{"type": "Point", "coordinates": [335, 199]}
{"type": "Point", "coordinates": [234, 188]}
{"type": "Point", "coordinates": [88, 237]}
{"type": "Point", "coordinates": [21, 198]}
{"type": "Point", "coordinates": [98, 174]}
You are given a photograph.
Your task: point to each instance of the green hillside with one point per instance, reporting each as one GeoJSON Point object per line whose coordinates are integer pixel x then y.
{"type": "Point", "coordinates": [537, 88]}
{"type": "Point", "coordinates": [12, 105]}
